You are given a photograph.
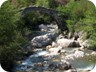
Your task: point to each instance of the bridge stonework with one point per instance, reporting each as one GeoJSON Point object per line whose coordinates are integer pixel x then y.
{"type": "Point", "coordinates": [61, 25]}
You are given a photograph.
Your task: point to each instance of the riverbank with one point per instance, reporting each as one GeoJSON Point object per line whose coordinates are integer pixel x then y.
{"type": "Point", "coordinates": [55, 52]}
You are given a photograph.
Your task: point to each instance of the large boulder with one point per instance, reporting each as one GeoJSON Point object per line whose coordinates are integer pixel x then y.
{"type": "Point", "coordinates": [43, 40]}
{"type": "Point", "coordinates": [67, 43]}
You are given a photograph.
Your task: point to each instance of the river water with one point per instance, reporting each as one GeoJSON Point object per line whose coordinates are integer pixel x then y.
{"type": "Point", "coordinates": [38, 62]}
{"type": "Point", "coordinates": [38, 58]}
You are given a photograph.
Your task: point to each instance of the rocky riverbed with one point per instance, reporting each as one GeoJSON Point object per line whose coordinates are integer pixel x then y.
{"type": "Point", "coordinates": [54, 52]}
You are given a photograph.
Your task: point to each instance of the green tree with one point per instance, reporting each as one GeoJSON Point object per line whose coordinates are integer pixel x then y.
{"type": "Point", "coordinates": [80, 16]}
{"type": "Point", "coordinates": [10, 39]}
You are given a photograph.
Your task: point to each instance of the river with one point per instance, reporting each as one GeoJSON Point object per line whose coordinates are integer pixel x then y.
{"type": "Point", "coordinates": [39, 62]}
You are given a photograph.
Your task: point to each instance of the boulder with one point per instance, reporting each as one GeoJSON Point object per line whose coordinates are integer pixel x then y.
{"type": "Point", "coordinates": [40, 41]}
{"type": "Point", "coordinates": [76, 54]}
{"type": "Point", "coordinates": [79, 54]}
{"type": "Point", "coordinates": [43, 40]}
{"type": "Point", "coordinates": [55, 51]}
{"type": "Point", "coordinates": [67, 43]}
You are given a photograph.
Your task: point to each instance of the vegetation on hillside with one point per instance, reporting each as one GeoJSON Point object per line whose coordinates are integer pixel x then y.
{"type": "Point", "coordinates": [80, 15]}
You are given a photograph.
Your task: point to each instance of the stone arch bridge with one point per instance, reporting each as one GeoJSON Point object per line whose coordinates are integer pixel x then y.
{"type": "Point", "coordinates": [62, 25]}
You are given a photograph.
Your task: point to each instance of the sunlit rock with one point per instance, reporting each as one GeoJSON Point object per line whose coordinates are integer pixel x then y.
{"type": "Point", "coordinates": [54, 44]}
{"type": "Point", "coordinates": [55, 51]}
{"type": "Point", "coordinates": [76, 54]}
{"type": "Point", "coordinates": [79, 54]}
{"type": "Point", "coordinates": [67, 43]}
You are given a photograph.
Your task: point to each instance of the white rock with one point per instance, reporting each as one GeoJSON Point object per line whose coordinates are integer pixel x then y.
{"type": "Point", "coordinates": [67, 43]}
{"type": "Point", "coordinates": [54, 44]}
{"type": "Point", "coordinates": [55, 50]}
{"type": "Point", "coordinates": [79, 54]}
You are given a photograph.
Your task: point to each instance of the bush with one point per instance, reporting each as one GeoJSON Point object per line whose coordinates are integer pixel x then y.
{"type": "Point", "coordinates": [80, 16]}
{"type": "Point", "coordinates": [9, 34]}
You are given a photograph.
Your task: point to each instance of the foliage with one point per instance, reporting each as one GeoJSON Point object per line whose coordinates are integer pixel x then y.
{"type": "Point", "coordinates": [23, 3]}
{"type": "Point", "coordinates": [10, 35]}
{"type": "Point", "coordinates": [80, 16]}
{"type": "Point", "coordinates": [43, 3]}
{"type": "Point", "coordinates": [7, 26]}
{"type": "Point", "coordinates": [46, 3]}
{"type": "Point", "coordinates": [33, 19]}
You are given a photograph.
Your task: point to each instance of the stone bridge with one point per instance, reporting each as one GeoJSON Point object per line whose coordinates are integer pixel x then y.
{"type": "Point", "coordinates": [61, 24]}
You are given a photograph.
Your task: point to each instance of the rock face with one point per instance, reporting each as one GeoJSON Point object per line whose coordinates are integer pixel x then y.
{"type": "Point", "coordinates": [67, 43]}
{"type": "Point", "coordinates": [43, 40]}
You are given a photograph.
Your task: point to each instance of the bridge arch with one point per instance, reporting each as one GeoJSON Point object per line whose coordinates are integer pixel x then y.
{"type": "Point", "coordinates": [61, 25]}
